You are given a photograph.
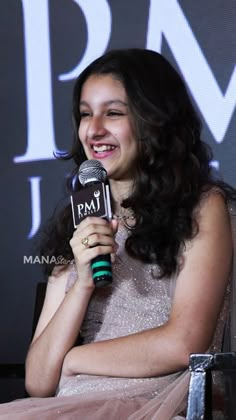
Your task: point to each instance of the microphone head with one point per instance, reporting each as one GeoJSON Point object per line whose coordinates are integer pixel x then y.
{"type": "Point", "coordinates": [92, 171]}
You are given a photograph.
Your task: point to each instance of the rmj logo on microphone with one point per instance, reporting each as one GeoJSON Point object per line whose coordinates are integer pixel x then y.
{"type": "Point", "coordinates": [91, 201]}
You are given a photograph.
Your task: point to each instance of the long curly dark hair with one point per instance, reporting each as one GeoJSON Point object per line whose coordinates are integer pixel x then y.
{"type": "Point", "coordinates": [173, 167]}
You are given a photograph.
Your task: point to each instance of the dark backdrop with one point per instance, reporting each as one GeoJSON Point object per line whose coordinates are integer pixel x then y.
{"type": "Point", "coordinates": [44, 45]}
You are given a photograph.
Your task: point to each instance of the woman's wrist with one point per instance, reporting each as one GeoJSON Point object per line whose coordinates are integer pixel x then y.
{"type": "Point", "coordinates": [84, 282]}
{"type": "Point", "coordinates": [83, 289]}
{"type": "Point", "coordinates": [84, 279]}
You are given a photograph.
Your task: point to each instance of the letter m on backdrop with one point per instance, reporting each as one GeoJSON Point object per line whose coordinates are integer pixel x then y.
{"type": "Point", "coordinates": [167, 18]}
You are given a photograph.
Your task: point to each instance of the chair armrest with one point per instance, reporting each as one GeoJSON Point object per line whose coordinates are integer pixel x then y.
{"type": "Point", "coordinates": [200, 388]}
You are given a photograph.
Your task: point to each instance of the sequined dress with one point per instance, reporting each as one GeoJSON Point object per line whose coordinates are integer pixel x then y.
{"type": "Point", "coordinates": [137, 301]}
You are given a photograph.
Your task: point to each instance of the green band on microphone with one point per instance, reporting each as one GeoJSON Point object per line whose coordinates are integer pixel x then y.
{"type": "Point", "coordinates": [102, 270]}
{"type": "Point", "coordinates": [102, 273]}
{"type": "Point", "coordinates": [101, 264]}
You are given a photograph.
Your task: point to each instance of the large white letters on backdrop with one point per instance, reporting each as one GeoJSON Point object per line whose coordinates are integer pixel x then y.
{"type": "Point", "coordinates": [35, 204]}
{"type": "Point", "coordinates": [40, 142]}
{"type": "Point", "coordinates": [41, 139]}
{"type": "Point", "coordinates": [99, 22]}
{"type": "Point", "coordinates": [167, 18]}
{"type": "Point", "coordinates": [217, 108]}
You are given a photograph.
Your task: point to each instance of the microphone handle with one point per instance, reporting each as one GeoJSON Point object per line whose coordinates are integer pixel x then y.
{"type": "Point", "coordinates": [101, 270]}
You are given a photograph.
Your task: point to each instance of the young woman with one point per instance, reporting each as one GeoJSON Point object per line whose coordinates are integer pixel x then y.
{"type": "Point", "coordinates": [171, 245]}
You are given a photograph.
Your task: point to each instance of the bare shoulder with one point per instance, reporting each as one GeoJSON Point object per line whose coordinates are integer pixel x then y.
{"type": "Point", "coordinates": [213, 242]}
{"type": "Point", "coordinates": [212, 216]}
{"type": "Point", "coordinates": [214, 200]}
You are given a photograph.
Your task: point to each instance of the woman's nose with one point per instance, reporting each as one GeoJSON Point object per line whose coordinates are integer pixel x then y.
{"type": "Point", "coordinates": [96, 128]}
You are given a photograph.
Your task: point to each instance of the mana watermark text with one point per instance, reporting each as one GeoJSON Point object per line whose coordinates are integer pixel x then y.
{"type": "Point", "coordinates": [60, 260]}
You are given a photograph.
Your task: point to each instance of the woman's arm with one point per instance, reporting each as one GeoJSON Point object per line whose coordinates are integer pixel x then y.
{"type": "Point", "coordinates": [62, 316]}
{"type": "Point", "coordinates": [56, 332]}
{"type": "Point", "coordinates": [197, 301]}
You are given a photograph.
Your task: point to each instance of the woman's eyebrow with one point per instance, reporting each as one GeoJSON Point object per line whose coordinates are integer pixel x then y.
{"type": "Point", "coordinates": [116, 101]}
{"type": "Point", "coordinates": [110, 102]}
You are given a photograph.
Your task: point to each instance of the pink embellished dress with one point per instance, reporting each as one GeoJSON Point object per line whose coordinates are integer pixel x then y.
{"type": "Point", "coordinates": [137, 301]}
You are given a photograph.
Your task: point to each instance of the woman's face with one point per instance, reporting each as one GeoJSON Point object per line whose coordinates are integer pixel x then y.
{"type": "Point", "coordinates": [106, 130]}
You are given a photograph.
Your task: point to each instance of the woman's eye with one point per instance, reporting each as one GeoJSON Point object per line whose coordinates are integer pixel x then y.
{"type": "Point", "coordinates": [114, 113]}
{"type": "Point", "coordinates": [84, 114]}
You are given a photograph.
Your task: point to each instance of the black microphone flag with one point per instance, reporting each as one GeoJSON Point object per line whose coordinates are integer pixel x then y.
{"type": "Point", "coordinates": [94, 200]}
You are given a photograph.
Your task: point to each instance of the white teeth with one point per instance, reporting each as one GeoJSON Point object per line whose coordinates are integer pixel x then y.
{"type": "Point", "coordinates": [103, 148]}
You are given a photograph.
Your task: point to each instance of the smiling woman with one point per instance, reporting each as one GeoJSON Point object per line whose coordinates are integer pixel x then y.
{"type": "Point", "coordinates": [106, 130]}
{"type": "Point", "coordinates": [122, 351]}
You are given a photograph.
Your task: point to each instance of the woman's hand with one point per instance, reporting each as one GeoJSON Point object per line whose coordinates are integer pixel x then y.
{"type": "Point", "coordinates": [93, 237]}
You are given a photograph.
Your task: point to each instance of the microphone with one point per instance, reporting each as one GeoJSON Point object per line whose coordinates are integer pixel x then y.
{"type": "Point", "coordinates": [94, 200]}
